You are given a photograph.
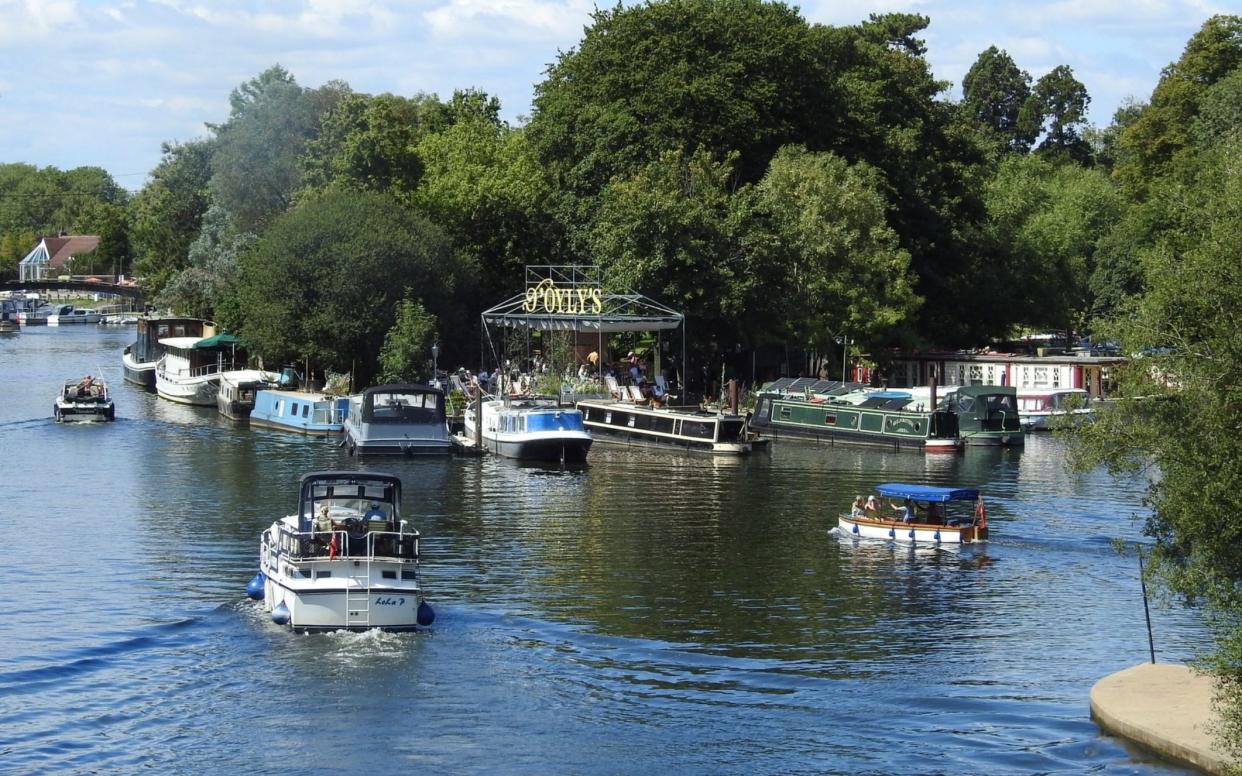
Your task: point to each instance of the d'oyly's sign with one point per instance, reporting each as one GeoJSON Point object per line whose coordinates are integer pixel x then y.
{"type": "Point", "coordinates": [547, 297]}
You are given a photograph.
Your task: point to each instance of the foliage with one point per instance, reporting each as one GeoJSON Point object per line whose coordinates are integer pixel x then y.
{"type": "Point", "coordinates": [164, 216]}
{"type": "Point", "coordinates": [994, 92]}
{"type": "Point", "coordinates": [256, 162]}
{"type": "Point", "coordinates": [324, 280]}
{"type": "Point", "coordinates": [1059, 106]}
{"type": "Point", "coordinates": [405, 356]}
{"type": "Point", "coordinates": [211, 270]}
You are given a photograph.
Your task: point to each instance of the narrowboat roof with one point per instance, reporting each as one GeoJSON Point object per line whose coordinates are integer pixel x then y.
{"type": "Point", "coordinates": [403, 388]}
{"type": "Point", "coordinates": [985, 390]}
{"type": "Point", "coordinates": [184, 343]}
{"type": "Point", "coordinates": [926, 492]}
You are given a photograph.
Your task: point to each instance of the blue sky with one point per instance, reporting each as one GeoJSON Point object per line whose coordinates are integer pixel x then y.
{"type": "Point", "coordinates": [104, 82]}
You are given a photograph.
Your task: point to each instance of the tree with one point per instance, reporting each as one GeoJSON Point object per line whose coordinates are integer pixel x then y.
{"type": "Point", "coordinates": [405, 354]}
{"type": "Point", "coordinates": [1180, 412]}
{"type": "Point", "coordinates": [323, 282]}
{"type": "Point", "coordinates": [165, 215]}
{"type": "Point", "coordinates": [1061, 101]}
{"type": "Point", "coordinates": [255, 166]}
{"type": "Point", "coordinates": [994, 92]}
{"type": "Point", "coordinates": [211, 270]}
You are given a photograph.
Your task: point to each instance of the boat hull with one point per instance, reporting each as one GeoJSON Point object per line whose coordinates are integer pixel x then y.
{"type": "Point", "coordinates": [341, 607]}
{"type": "Point", "coordinates": [139, 372]}
{"type": "Point", "coordinates": [910, 533]}
{"type": "Point", "coordinates": [667, 428]}
{"type": "Point", "coordinates": [397, 445]}
{"type": "Point", "coordinates": [100, 413]}
{"type": "Point", "coordinates": [551, 448]}
{"type": "Point", "coordinates": [196, 391]}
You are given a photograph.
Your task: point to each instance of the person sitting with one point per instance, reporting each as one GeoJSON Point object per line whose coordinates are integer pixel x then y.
{"type": "Point", "coordinates": [376, 521]}
{"type": "Point", "coordinates": [905, 512]}
{"type": "Point", "coordinates": [323, 527]}
{"type": "Point", "coordinates": [935, 514]}
{"type": "Point", "coordinates": [85, 385]}
{"type": "Point", "coordinates": [872, 508]}
{"type": "Point", "coordinates": [857, 509]}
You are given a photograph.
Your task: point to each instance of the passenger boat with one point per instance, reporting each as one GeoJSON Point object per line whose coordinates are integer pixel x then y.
{"type": "Point", "coordinates": [140, 359]}
{"type": "Point", "coordinates": [938, 516]}
{"type": "Point", "coordinates": [828, 411]}
{"type": "Point", "coordinates": [84, 401]}
{"type": "Point", "coordinates": [398, 420]}
{"type": "Point", "coordinates": [189, 371]}
{"type": "Point", "coordinates": [531, 429]}
{"type": "Point", "coordinates": [238, 387]}
{"type": "Point", "coordinates": [631, 423]}
{"type": "Point", "coordinates": [67, 314]}
{"type": "Point", "coordinates": [346, 560]}
{"type": "Point", "coordinates": [315, 414]}
{"type": "Point", "coordinates": [1039, 409]}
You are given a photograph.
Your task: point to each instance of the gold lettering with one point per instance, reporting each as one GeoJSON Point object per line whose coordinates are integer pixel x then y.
{"type": "Point", "coordinates": [582, 297]}
{"type": "Point", "coordinates": [549, 297]}
{"type": "Point", "coordinates": [597, 306]}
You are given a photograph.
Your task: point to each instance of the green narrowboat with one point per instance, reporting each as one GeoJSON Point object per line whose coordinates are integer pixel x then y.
{"type": "Point", "coordinates": [986, 415]}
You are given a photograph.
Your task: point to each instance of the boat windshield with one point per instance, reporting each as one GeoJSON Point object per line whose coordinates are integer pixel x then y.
{"type": "Point", "coordinates": [397, 406]}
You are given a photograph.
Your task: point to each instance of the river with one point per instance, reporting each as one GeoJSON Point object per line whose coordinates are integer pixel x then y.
{"type": "Point", "coordinates": [647, 613]}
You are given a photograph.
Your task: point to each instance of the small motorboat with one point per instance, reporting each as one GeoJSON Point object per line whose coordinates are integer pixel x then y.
{"type": "Point", "coordinates": [346, 560]}
{"type": "Point", "coordinates": [83, 401]}
{"type": "Point", "coordinates": [927, 514]}
{"type": "Point", "coordinates": [398, 420]}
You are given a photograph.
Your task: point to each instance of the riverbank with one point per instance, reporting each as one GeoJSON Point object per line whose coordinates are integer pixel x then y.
{"type": "Point", "coordinates": [1163, 707]}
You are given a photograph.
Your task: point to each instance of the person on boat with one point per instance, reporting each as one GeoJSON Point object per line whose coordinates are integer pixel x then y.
{"type": "Point", "coordinates": [375, 513]}
{"type": "Point", "coordinates": [857, 509]}
{"type": "Point", "coordinates": [85, 385]}
{"type": "Point", "coordinates": [905, 512]}
{"type": "Point", "coordinates": [636, 370]}
{"type": "Point", "coordinates": [935, 515]}
{"type": "Point", "coordinates": [872, 508]}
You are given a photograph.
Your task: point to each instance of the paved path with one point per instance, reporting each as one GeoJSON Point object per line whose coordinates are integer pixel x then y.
{"type": "Point", "coordinates": [1163, 707]}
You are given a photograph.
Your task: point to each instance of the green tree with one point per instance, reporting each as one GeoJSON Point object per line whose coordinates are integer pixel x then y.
{"type": "Point", "coordinates": [324, 280]}
{"type": "Point", "coordinates": [1180, 410]}
{"type": "Point", "coordinates": [211, 269]}
{"type": "Point", "coordinates": [256, 165]}
{"type": "Point", "coordinates": [165, 216]}
{"type": "Point", "coordinates": [994, 92]}
{"type": "Point", "coordinates": [405, 356]}
{"type": "Point", "coordinates": [1061, 101]}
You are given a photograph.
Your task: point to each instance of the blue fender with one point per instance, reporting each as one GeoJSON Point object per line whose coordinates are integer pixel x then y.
{"type": "Point", "coordinates": [911, 534]}
{"type": "Point", "coordinates": [255, 587]}
{"type": "Point", "coordinates": [426, 615]}
{"type": "Point", "coordinates": [892, 532]}
{"type": "Point", "coordinates": [281, 614]}
{"type": "Point", "coordinates": [855, 528]}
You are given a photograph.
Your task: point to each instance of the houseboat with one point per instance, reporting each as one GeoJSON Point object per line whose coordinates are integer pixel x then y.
{"type": "Point", "coordinates": [986, 415]}
{"type": "Point", "coordinates": [530, 429]}
{"type": "Point", "coordinates": [926, 514]}
{"type": "Point", "coordinates": [189, 371]}
{"type": "Point", "coordinates": [84, 401]}
{"type": "Point", "coordinates": [238, 387]}
{"type": "Point", "coordinates": [140, 358]}
{"type": "Point", "coordinates": [398, 420]}
{"type": "Point", "coordinates": [831, 412]}
{"type": "Point", "coordinates": [346, 560]}
{"type": "Point", "coordinates": [302, 412]}
{"type": "Point", "coordinates": [67, 314]}
{"type": "Point", "coordinates": [1040, 410]}
{"type": "Point", "coordinates": [617, 421]}
{"type": "Point", "coordinates": [1042, 369]}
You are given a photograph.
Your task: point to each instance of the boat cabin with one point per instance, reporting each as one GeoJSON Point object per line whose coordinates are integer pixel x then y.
{"type": "Point", "coordinates": [349, 514]}
{"type": "Point", "coordinates": [402, 419]}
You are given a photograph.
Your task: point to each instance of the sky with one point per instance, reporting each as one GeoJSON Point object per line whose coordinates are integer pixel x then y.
{"type": "Point", "coordinates": [105, 82]}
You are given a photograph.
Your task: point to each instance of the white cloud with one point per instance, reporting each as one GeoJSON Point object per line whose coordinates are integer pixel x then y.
{"type": "Point", "coordinates": [25, 19]}
{"type": "Point", "coordinates": [554, 20]}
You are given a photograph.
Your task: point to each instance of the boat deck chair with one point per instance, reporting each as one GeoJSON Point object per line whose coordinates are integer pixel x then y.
{"type": "Point", "coordinates": [613, 389]}
{"type": "Point", "coordinates": [635, 394]}
{"type": "Point", "coordinates": [660, 381]}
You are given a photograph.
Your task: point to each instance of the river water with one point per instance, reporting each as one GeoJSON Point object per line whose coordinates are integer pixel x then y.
{"type": "Point", "coordinates": [647, 613]}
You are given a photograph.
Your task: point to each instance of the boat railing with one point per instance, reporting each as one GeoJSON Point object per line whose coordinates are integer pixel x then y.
{"type": "Point", "coordinates": [326, 414]}
{"type": "Point", "coordinates": [319, 545]}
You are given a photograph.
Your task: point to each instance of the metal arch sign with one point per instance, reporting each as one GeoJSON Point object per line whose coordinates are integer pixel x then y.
{"type": "Point", "coordinates": [547, 297]}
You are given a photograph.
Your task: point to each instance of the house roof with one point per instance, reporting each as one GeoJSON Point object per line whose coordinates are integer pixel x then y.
{"type": "Point", "coordinates": [55, 251]}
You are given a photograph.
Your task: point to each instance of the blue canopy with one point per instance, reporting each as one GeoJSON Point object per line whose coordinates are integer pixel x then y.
{"type": "Point", "coordinates": [926, 492]}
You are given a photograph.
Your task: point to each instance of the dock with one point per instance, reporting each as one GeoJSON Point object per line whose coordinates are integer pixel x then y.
{"type": "Point", "coordinates": [1164, 708]}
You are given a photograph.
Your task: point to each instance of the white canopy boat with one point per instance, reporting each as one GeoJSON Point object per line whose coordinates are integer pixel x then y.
{"type": "Point", "coordinates": [345, 560]}
{"type": "Point", "coordinates": [930, 516]}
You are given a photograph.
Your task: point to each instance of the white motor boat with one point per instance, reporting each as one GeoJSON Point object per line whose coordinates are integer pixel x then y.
{"type": "Point", "coordinates": [67, 314]}
{"type": "Point", "coordinates": [531, 429]}
{"type": "Point", "coordinates": [398, 420]}
{"type": "Point", "coordinates": [345, 560]}
{"type": "Point", "coordinates": [1040, 410]}
{"type": "Point", "coordinates": [189, 371]}
{"type": "Point", "coordinates": [84, 401]}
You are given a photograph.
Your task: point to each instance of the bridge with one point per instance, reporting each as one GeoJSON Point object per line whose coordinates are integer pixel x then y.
{"type": "Point", "coordinates": [86, 286]}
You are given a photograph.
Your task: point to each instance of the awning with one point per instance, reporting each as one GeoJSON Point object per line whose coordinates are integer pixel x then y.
{"type": "Point", "coordinates": [217, 341]}
{"type": "Point", "coordinates": [926, 492]}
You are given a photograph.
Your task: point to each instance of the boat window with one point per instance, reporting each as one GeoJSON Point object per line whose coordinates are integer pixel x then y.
{"type": "Point", "coordinates": [607, 417]}
{"type": "Point", "coordinates": [965, 404]}
{"type": "Point", "coordinates": [408, 575]}
{"type": "Point", "coordinates": [762, 408]}
{"type": "Point", "coordinates": [402, 407]}
{"type": "Point", "coordinates": [388, 574]}
{"type": "Point", "coordinates": [730, 431]}
{"type": "Point", "coordinates": [785, 413]}
{"type": "Point", "coordinates": [322, 574]}
{"type": "Point", "coordinates": [698, 430]}
{"type": "Point", "coordinates": [305, 410]}
{"type": "Point", "coordinates": [830, 420]}
{"type": "Point", "coordinates": [631, 423]}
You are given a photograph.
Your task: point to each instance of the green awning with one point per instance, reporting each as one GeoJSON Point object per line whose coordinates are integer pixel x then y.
{"type": "Point", "coordinates": [217, 341]}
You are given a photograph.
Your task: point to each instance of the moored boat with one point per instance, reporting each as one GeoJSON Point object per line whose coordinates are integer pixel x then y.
{"type": "Point", "coordinates": [189, 371]}
{"type": "Point", "coordinates": [929, 514]}
{"type": "Point", "coordinates": [631, 423]}
{"type": "Point", "coordinates": [1039, 409]}
{"type": "Point", "coordinates": [84, 401]}
{"type": "Point", "coordinates": [68, 314]}
{"type": "Point", "coordinates": [235, 398]}
{"type": "Point", "coordinates": [402, 419]}
{"type": "Point", "coordinates": [141, 358]}
{"type": "Point", "coordinates": [986, 415]}
{"type": "Point", "coordinates": [530, 429]}
{"type": "Point", "coordinates": [302, 412]}
{"type": "Point", "coordinates": [9, 321]}
{"type": "Point", "coordinates": [346, 560]}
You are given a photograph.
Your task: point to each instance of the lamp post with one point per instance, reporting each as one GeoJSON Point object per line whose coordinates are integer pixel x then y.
{"type": "Point", "coordinates": [435, 356]}
{"type": "Point", "coordinates": [845, 355]}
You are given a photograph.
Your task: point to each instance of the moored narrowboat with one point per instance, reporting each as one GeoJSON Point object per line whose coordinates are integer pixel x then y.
{"type": "Point", "coordinates": [314, 414]}
{"type": "Point", "coordinates": [695, 430]}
